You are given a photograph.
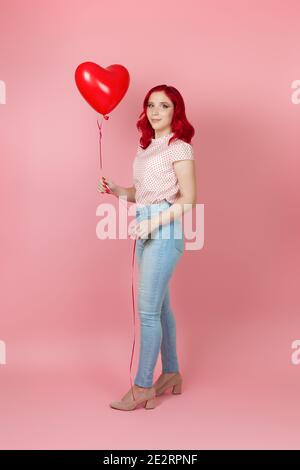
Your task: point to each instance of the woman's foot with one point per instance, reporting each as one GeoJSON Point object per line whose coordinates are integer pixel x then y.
{"type": "Point", "coordinates": [163, 378]}
{"type": "Point", "coordinates": [134, 397]}
{"type": "Point", "coordinates": [133, 392]}
{"type": "Point", "coordinates": [167, 380]}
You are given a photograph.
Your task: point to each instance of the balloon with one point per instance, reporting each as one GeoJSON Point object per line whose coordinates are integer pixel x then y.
{"type": "Point", "coordinates": [102, 88]}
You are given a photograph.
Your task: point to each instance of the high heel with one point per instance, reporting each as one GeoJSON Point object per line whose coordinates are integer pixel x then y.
{"type": "Point", "coordinates": [175, 382]}
{"type": "Point", "coordinates": [150, 404]}
{"type": "Point", "coordinates": [177, 389]}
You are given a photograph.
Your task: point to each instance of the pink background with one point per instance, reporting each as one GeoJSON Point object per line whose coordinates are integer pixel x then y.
{"type": "Point", "coordinates": [66, 312]}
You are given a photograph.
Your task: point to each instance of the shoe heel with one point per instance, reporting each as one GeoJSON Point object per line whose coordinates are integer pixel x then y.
{"type": "Point", "coordinates": [150, 404]}
{"type": "Point", "coordinates": [177, 389]}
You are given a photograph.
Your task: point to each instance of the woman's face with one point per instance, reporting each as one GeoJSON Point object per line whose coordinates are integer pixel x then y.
{"type": "Point", "coordinates": [160, 110]}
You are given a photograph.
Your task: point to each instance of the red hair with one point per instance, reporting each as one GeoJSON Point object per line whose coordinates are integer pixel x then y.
{"type": "Point", "coordinates": [180, 125]}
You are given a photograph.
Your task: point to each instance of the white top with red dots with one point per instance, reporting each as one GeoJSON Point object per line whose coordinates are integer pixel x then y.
{"type": "Point", "coordinates": [154, 175]}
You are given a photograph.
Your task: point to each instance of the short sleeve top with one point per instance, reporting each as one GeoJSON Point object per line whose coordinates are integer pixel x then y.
{"type": "Point", "coordinates": [154, 176]}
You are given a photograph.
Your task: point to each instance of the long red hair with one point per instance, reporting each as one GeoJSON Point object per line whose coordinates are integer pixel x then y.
{"type": "Point", "coordinates": [180, 125]}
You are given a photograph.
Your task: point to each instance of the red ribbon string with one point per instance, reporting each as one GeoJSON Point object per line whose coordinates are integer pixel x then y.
{"type": "Point", "coordinates": [132, 292]}
{"type": "Point", "coordinates": [100, 135]}
{"type": "Point", "coordinates": [108, 190]}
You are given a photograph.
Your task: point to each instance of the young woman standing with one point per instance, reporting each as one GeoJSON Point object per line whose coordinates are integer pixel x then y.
{"type": "Point", "coordinates": [164, 189]}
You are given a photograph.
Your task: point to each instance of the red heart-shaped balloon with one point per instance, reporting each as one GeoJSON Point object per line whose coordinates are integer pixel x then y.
{"type": "Point", "coordinates": [102, 88]}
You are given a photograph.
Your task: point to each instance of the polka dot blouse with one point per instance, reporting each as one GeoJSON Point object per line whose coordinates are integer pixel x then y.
{"type": "Point", "coordinates": [154, 175]}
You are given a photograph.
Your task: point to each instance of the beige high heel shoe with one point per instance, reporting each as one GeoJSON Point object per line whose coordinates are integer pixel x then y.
{"type": "Point", "coordinates": [162, 384]}
{"type": "Point", "coordinates": [128, 403]}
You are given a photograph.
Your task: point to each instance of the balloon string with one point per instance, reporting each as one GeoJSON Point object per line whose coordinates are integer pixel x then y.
{"type": "Point", "coordinates": [109, 191]}
{"type": "Point", "coordinates": [132, 292]}
{"type": "Point", "coordinates": [100, 135]}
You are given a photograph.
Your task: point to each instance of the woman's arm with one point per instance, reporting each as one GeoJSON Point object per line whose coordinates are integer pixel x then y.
{"type": "Point", "coordinates": [128, 192]}
{"type": "Point", "coordinates": [116, 190]}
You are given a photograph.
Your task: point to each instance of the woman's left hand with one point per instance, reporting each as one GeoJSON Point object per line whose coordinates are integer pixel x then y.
{"type": "Point", "coordinates": [143, 228]}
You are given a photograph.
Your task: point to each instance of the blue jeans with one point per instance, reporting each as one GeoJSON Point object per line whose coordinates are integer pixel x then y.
{"type": "Point", "coordinates": [157, 257]}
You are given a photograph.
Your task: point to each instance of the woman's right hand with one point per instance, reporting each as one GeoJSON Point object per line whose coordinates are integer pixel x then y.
{"type": "Point", "coordinates": [107, 186]}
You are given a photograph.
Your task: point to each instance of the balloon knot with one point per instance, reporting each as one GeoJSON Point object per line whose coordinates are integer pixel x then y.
{"type": "Point", "coordinates": [106, 117]}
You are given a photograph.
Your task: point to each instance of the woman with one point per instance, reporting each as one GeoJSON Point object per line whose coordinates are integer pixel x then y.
{"type": "Point", "coordinates": [164, 188]}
